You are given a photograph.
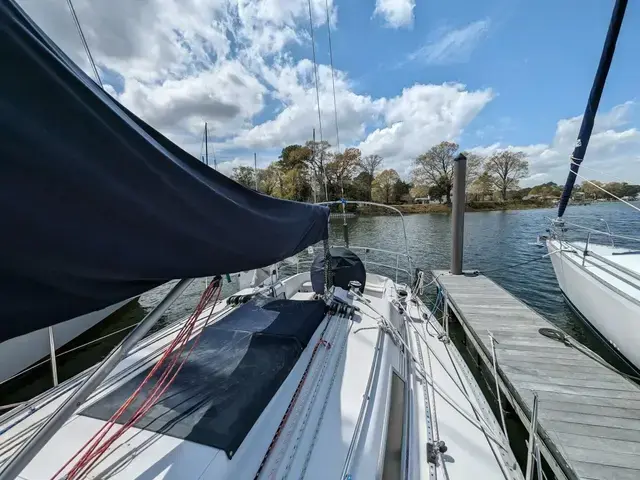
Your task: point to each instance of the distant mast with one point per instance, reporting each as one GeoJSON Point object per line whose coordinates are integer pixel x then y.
{"type": "Point", "coordinates": [206, 145]}
{"type": "Point", "coordinates": [594, 100]}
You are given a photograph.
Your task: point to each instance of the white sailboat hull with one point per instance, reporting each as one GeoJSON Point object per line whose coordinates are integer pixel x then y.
{"type": "Point", "coordinates": [607, 298]}
{"type": "Point", "coordinates": [20, 352]}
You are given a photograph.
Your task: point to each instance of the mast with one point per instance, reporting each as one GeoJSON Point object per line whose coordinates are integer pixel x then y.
{"type": "Point", "coordinates": [206, 144]}
{"type": "Point", "coordinates": [255, 169]}
{"type": "Point", "coordinates": [594, 100]}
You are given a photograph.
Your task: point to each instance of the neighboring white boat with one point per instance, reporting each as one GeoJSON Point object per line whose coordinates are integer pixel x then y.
{"type": "Point", "coordinates": [602, 283]}
{"type": "Point", "coordinates": [21, 352]}
{"type": "Point", "coordinates": [377, 391]}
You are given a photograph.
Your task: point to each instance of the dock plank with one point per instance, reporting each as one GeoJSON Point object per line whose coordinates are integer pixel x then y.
{"type": "Point", "coordinates": [590, 413]}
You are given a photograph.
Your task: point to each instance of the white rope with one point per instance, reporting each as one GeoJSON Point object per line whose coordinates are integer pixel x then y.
{"type": "Point", "coordinates": [603, 189]}
{"type": "Point", "coordinates": [599, 172]}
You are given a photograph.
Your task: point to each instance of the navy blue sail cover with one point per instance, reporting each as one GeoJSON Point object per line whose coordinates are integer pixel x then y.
{"type": "Point", "coordinates": [97, 207]}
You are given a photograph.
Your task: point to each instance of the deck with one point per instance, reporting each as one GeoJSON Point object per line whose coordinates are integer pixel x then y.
{"type": "Point", "coordinates": [589, 416]}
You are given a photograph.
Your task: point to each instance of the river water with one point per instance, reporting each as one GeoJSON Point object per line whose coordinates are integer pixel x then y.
{"type": "Point", "coordinates": [493, 242]}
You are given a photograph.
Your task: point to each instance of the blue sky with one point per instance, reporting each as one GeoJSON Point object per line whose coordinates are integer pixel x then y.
{"type": "Point", "coordinates": [493, 74]}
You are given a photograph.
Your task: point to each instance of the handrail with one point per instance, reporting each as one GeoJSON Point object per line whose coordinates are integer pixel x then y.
{"type": "Point", "coordinates": [589, 253]}
{"type": "Point", "coordinates": [593, 230]}
{"type": "Point", "coordinates": [404, 229]}
{"type": "Point", "coordinates": [392, 252]}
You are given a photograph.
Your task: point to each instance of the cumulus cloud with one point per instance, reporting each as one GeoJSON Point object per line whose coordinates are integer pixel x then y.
{"type": "Point", "coordinates": [396, 13]}
{"type": "Point", "coordinates": [179, 63]}
{"type": "Point", "coordinates": [420, 117]}
{"type": "Point", "coordinates": [613, 153]}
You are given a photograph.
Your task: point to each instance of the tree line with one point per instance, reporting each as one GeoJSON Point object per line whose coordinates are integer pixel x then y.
{"type": "Point", "coordinates": [313, 173]}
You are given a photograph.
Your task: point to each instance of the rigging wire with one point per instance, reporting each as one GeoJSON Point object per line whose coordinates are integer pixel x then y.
{"type": "Point", "coordinates": [84, 43]}
{"type": "Point", "coordinates": [603, 189]}
{"type": "Point", "coordinates": [315, 74]}
{"type": "Point", "coordinates": [333, 81]}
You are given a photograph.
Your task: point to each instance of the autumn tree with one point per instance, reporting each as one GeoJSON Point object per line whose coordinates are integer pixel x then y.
{"type": "Point", "coordinates": [435, 167]}
{"type": "Point", "coordinates": [317, 162]}
{"type": "Point", "coordinates": [370, 165]}
{"type": "Point", "coordinates": [507, 168]}
{"type": "Point", "coordinates": [270, 180]}
{"type": "Point", "coordinates": [245, 176]}
{"type": "Point", "coordinates": [384, 184]}
{"type": "Point", "coordinates": [342, 167]}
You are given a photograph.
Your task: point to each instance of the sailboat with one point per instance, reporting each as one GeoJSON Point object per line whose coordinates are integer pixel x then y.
{"type": "Point", "coordinates": [334, 372]}
{"type": "Point", "coordinates": [601, 282]}
{"type": "Point", "coordinates": [18, 353]}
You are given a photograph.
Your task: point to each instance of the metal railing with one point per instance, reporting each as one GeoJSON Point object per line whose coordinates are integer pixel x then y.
{"type": "Point", "coordinates": [559, 234]}
{"type": "Point", "coordinates": [408, 271]}
{"type": "Point", "coordinates": [367, 261]}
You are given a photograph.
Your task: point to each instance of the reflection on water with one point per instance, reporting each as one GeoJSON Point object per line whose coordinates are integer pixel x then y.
{"type": "Point", "coordinates": [493, 241]}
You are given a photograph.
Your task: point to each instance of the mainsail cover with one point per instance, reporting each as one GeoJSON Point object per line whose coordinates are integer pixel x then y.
{"type": "Point", "coordinates": [97, 207]}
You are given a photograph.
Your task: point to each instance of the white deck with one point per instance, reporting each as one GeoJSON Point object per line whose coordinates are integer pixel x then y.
{"type": "Point", "coordinates": [322, 429]}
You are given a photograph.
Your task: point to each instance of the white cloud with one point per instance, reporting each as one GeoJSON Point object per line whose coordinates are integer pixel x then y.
{"type": "Point", "coordinates": [396, 13]}
{"type": "Point", "coordinates": [613, 153]}
{"type": "Point", "coordinates": [420, 117]}
{"type": "Point", "coordinates": [180, 63]}
{"type": "Point", "coordinates": [452, 46]}
{"type": "Point", "coordinates": [294, 86]}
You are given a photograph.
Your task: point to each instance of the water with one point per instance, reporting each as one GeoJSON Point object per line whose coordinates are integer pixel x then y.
{"type": "Point", "coordinates": [493, 242]}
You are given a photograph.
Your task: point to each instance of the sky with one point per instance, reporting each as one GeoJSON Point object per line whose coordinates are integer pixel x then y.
{"type": "Point", "coordinates": [408, 74]}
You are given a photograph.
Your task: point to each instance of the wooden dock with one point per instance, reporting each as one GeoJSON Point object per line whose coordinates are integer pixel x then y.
{"type": "Point", "coordinates": [588, 415]}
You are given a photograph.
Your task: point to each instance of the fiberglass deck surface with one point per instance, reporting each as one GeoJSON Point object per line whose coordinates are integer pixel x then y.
{"type": "Point", "coordinates": [591, 415]}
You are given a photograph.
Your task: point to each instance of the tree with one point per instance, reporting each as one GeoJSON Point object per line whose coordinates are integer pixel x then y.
{"type": "Point", "coordinates": [384, 184]}
{"type": "Point", "coordinates": [359, 189]}
{"type": "Point", "coordinates": [401, 192]}
{"type": "Point", "coordinates": [482, 186]}
{"type": "Point", "coordinates": [591, 190]}
{"type": "Point", "coordinates": [342, 167]}
{"type": "Point", "coordinates": [507, 168]}
{"type": "Point", "coordinates": [435, 167]}
{"type": "Point", "coordinates": [549, 189]}
{"type": "Point", "coordinates": [475, 163]}
{"type": "Point", "coordinates": [440, 189]}
{"type": "Point", "coordinates": [317, 161]}
{"type": "Point", "coordinates": [270, 180]}
{"type": "Point", "coordinates": [245, 176]}
{"type": "Point", "coordinates": [370, 165]}
{"type": "Point", "coordinates": [419, 191]}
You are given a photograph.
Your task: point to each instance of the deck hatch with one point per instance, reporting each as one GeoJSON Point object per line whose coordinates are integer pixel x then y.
{"type": "Point", "coordinates": [229, 378]}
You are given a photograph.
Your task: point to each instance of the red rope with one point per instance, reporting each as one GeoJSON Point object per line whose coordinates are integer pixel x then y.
{"type": "Point", "coordinates": [97, 447]}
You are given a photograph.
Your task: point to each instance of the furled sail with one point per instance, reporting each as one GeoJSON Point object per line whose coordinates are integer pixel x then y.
{"type": "Point", "coordinates": [588, 119]}
{"type": "Point", "coordinates": [96, 206]}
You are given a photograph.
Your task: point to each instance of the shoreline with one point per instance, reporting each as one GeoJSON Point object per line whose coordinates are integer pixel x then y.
{"type": "Point", "coordinates": [409, 209]}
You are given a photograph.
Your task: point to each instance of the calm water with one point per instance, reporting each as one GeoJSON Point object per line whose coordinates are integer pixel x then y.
{"type": "Point", "coordinates": [493, 241]}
